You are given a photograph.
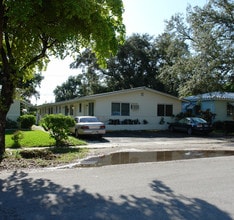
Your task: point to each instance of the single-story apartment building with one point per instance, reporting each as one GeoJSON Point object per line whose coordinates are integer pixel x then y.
{"type": "Point", "coordinates": [138, 108]}
{"type": "Point", "coordinates": [221, 104]}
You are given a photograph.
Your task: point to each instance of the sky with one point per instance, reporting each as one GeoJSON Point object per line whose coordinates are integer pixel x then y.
{"type": "Point", "coordinates": [140, 16]}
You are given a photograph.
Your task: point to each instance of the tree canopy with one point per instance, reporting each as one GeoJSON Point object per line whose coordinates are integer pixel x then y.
{"type": "Point", "coordinates": [194, 55]}
{"type": "Point", "coordinates": [31, 31]}
{"type": "Point", "coordinates": [208, 33]}
{"type": "Point", "coordinates": [136, 64]}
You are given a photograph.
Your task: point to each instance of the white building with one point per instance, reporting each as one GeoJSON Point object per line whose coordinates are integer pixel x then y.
{"type": "Point", "coordinates": [15, 110]}
{"type": "Point", "coordinates": [131, 109]}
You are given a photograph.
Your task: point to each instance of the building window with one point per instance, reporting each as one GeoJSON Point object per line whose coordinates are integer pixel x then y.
{"type": "Point", "coordinates": [115, 109]}
{"type": "Point", "coordinates": [230, 109]}
{"type": "Point", "coordinates": [165, 110]}
{"type": "Point", "coordinates": [134, 107]}
{"type": "Point", "coordinates": [125, 109]}
{"type": "Point", "coordinates": [121, 109]}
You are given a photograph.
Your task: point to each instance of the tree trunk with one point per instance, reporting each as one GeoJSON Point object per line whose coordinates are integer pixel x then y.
{"type": "Point", "coordinates": [2, 133]}
{"type": "Point", "coordinates": [7, 90]}
{"type": "Point", "coordinates": [6, 99]}
{"type": "Point", "coordinates": [5, 103]}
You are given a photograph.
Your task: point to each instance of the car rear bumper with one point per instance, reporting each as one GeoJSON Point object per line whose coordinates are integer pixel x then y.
{"type": "Point", "coordinates": [91, 132]}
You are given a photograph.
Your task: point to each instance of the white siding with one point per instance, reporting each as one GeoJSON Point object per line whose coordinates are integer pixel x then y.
{"type": "Point", "coordinates": [146, 99]}
{"type": "Point", "coordinates": [147, 102]}
{"type": "Point", "coordinates": [221, 111]}
{"type": "Point", "coordinates": [14, 111]}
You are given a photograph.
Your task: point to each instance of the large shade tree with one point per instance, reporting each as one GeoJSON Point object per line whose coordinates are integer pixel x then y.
{"type": "Point", "coordinates": [209, 34]}
{"type": "Point", "coordinates": [69, 89]}
{"type": "Point", "coordinates": [32, 30]}
{"type": "Point", "coordinates": [136, 64]}
{"type": "Point", "coordinates": [171, 54]}
{"type": "Point", "coordinates": [89, 79]}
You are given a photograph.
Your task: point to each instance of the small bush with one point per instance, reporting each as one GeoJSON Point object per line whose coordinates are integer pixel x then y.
{"type": "Point", "coordinates": [17, 136]}
{"type": "Point", "coordinates": [58, 126]}
{"type": "Point", "coordinates": [26, 121]}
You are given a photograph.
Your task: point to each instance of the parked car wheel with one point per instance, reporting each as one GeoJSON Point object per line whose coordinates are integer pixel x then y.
{"type": "Point", "coordinates": [100, 136]}
{"type": "Point", "coordinates": [189, 131]}
{"type": "Point", "coordinates": [171, 128]}
{"type": "Point", "coordinates": [76, 133]}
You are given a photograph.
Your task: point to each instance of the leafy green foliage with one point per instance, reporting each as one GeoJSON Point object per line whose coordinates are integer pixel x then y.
{"type": "Point", "coordinates": [58, 125]}
{"type": "Point", "coordinates": [31, 31]}
{"type": "Point", "coordinates": [69, 89]}
{"type": "Point", "coordinates": [88, 83]}
{"type": "Point", "coordinates": [37, 138]}
{"type": "Point", "coordinates": [17, 136]}
{"type": "Point", "coordinates": [136, 64]}
{"type": "Point", "coordinates": [29, 88]}
{"type": "Point", "coordinates": [208, 34]}
{"type": "Point", "coordinates": [195, 55]}
{"type": "Point", "coordinates": [26, 121]}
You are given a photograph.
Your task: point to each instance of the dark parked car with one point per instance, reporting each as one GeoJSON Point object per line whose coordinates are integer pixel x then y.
{"type": "Point", "coordinates": [191, 125]}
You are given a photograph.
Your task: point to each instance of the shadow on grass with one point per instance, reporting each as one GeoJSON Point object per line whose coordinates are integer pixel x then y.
{"type": "Point", "coordinates": [24, 197]}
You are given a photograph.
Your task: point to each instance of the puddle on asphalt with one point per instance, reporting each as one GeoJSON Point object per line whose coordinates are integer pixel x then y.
{"type": "Point", "coordinates": [149, 156]}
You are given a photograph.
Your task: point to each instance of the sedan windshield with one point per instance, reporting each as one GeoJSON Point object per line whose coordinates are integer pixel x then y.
{"type": "Point", "coordinates": [88, 120]}
{"type": "Point", "coordinates": [199, 120]}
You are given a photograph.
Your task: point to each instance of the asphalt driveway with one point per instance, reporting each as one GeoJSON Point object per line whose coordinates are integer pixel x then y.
{"type": "Point", "coordinates": [156, 141]}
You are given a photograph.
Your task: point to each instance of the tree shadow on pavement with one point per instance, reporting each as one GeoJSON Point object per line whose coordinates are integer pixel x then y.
{"type": "Point", "coordinates": [23, 197]}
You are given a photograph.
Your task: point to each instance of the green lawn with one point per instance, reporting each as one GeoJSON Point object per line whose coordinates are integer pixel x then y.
{"type": "Point", "coordinates": [48, 154]}
{"type": "Point", "coordinates": [36, 138]}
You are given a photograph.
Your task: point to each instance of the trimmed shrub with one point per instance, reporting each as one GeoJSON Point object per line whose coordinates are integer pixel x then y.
{"type": "Point", "coordinates": [59, 127]}
{"type": "Point", "coordinates": [17, 136]}
{"type": "Point", "coordinates": [26, 121]}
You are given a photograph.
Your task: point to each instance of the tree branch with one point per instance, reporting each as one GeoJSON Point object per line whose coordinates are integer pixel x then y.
{"type": "Point", "coordinates": [45, 46]}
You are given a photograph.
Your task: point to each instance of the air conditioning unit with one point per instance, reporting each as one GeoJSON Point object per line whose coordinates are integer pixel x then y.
{"type": "Point", "coordinates": [135, 106]}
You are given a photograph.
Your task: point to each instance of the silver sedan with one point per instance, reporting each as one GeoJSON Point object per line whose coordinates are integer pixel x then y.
{"type": "Point", "coordinates": [88, 125]}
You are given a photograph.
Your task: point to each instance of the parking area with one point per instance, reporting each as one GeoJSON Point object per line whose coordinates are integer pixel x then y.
{"type": "Point", "coordinates": [156, 141]}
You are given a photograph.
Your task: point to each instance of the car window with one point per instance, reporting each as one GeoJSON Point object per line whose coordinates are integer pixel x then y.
{"type": "Point", "coordinates": [88, 120]}
{"type": "Point", "coordinates": [187, 121]}
{"type": "Point", "coordinates": [199, 120]}
{"type": "Point", "coordinates": [182, 121]}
